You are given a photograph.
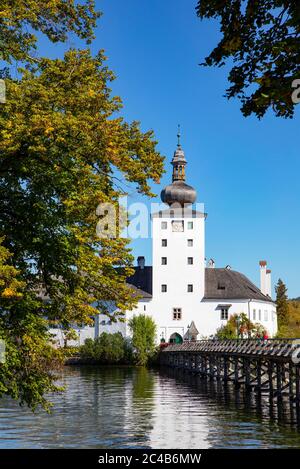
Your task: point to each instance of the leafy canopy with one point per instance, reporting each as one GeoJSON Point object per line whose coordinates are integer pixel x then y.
{"type": "Point", "coordinates": [62, 141]}
{"type": "Point", "coordinates": [20, 20]}
{"type": "Point", "coordinates": [60, 145]}
{"type": "Point", "coordinates": [262, 40]}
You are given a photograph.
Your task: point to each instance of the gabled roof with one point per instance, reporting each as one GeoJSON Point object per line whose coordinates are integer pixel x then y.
{"type": "Point", "coordinates": [220, 285]}
{"type": "Point", "coordinates": [225, 284]}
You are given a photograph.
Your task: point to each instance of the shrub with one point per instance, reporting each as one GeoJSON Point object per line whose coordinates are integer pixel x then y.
{"type": "Point", "coordinates": [107, 348]}
{"type": "Point", "coordinates": [239, 326]}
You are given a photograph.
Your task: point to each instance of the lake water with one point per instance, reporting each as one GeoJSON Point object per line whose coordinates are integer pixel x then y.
{"type": "Point", "coordinates": [138, 408]}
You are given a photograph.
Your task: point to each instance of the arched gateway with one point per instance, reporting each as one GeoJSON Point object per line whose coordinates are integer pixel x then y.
{"type": "Point", "coordinates": [175, 338]}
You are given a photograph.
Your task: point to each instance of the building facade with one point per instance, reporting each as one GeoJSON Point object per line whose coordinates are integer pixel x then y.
{"type": "Point", "coordinates": [180, 292]}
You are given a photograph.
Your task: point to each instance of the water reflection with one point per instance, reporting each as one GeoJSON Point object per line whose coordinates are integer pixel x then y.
{"type": "Point", "coordinates": [243, 419]}
{"type": "Point", "coordinates": [134, 407]}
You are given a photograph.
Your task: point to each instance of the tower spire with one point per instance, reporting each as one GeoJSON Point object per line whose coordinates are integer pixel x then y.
{"type": "Point", "coordinates": [178, 137]}
{"type": "Point", "coordinates": [178, 160]}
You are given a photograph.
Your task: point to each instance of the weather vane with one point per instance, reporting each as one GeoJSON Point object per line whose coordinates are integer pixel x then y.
{"type": "Point", "coordinates": [178, 135]}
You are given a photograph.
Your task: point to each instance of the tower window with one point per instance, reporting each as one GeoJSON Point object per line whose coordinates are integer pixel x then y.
{"type": "Point", "coordinates": [190, 225]}
{"type": "Point", "coordinates": [177, 314]}
{"type": "Point", "coordinates": [164, 288]}
{"type": "Point", "coordinates": [224, 314]}
{"type": "Point", "coordinates": [190, 260]}
{"type": "Point", "coordinates": [190, 288]}
{"type": "Point", "coordinates": [254, 315]}
{"type": "Point", "coordinates": [164, 243]}
{"type": "Point", "coordinates": [190, 243]}
{"type": "Point", "coordinates": [164, 225]}
{"type": "Point", "coordinates": [172, 214]}
{"type": "Point", "coordinates": [164, 261]}
{"type": "Point", "coordinates": [259, 314]}
{"type": "Point", "coordinates": [266, 316]}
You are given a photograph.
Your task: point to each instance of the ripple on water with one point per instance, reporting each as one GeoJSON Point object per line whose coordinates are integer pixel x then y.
{"type": "Point", "coordinates": [138, 408]}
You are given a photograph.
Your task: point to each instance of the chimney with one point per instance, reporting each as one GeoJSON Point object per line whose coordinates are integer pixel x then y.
{"type": "Point", "coordinates": [141, 262]}
{"type": "Point", "coordinates": [265, 279]}
{"type": "Point", "coordinates": [211, 264]}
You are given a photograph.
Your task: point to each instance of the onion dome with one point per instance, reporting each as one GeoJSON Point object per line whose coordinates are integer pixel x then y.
{"type": "Point", "coordinates": [178, 193]}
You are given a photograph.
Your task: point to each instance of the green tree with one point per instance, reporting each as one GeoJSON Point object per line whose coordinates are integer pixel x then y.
{"type": "Point", "coordinates": [143, 330]}
{"type": "Point", "coordinates": [64, 149]}
{"type": "Point", "coordinates": [282, 304]}
{"type": "Point", "coordinates": [261, 38]}
{"type": "Point", "coordinates": [20, 20]}
{"type": "Point", "coordinates": [106, 349]}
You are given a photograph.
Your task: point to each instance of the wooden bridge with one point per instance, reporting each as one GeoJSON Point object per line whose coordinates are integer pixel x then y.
{"type": "Point", "coordinates": [262, 366]}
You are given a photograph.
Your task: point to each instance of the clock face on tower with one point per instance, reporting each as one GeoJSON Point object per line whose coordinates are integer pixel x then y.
{"type": "Point", "coordinates": [177, 226]}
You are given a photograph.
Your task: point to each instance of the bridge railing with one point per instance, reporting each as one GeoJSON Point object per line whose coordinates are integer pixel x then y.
{"type": "Point", "coordinates": [284, 348]}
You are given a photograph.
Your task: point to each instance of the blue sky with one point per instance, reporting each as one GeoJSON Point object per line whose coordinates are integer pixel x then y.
{"type": "Point", "coordinates": [246, 171]}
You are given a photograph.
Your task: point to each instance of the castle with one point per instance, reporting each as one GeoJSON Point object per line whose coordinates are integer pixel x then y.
{"type": "Point", "coordinates": [186, 298]}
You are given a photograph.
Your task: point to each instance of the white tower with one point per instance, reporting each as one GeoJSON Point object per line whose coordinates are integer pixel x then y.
{"type": "Point", "coordinates": [178, 256]}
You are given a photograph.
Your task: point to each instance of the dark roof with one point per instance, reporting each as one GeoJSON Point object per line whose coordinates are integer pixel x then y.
{"type": "Point", "coordinates": [220, 284]}
{"type": "Point", "coordinates": [223, 284]}
{"type": "Point", "coordinates": [142, 280]}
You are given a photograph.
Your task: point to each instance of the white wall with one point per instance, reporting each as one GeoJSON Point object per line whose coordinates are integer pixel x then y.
{"type": "Point", "coordinates": [87, 332]}
{"type": "Point", "coordinates": [206, 315]}
{"type": "Point", "coordinates": [177, 274]}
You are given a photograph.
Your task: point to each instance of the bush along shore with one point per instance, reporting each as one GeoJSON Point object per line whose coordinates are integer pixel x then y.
{"type": "Point", "coordinates": [114, 349]}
